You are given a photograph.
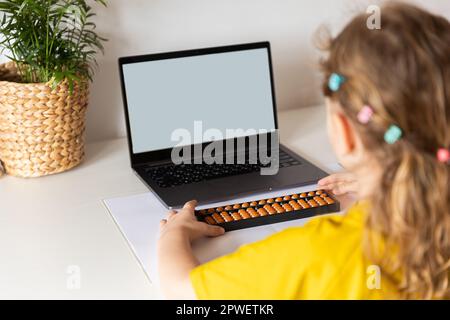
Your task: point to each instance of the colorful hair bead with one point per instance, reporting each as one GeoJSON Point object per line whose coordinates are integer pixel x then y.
{"type": "Point", "coordinates": [365, 114]}
{"type": "Point", "coordinates": [393, 134]}
{"type": "Point", "coordinates": [335, 82]}
{"type": "Point", "coordinates": [443, 155]}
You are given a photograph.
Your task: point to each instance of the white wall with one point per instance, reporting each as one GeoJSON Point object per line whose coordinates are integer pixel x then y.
{"type": "Point", "coordinates": [148, 26]}
{"type": "Point", "coordinates": [142, 26]}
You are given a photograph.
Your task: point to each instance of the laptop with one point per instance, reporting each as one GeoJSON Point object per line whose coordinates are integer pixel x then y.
{"type": "Point", "coordinates": [199, 122]}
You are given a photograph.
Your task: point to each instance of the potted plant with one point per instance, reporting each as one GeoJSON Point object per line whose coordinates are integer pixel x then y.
{"type": "Point", "coordinates": [52, 46]}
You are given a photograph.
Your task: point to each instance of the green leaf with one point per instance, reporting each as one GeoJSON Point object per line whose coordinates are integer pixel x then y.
{"type": "Point", "coordinates": [49, 41]}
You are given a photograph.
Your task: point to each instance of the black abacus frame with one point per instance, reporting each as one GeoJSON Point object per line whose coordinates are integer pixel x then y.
{"type": "Point", "coordinates": [277, 217]}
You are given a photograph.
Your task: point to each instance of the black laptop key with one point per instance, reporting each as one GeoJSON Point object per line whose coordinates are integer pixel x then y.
{"type": "Point", "coordinates": [174, 175]}
{"type": "Point", "coordinates": [286, 160]}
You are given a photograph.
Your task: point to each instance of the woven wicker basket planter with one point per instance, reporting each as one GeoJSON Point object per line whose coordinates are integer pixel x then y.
{"type": "Point", "coordinates": [41, 129]}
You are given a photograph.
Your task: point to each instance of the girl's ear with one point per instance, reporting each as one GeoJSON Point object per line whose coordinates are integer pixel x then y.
{"type": "Point", "coordinates": [342, 134]}
{"type": "Point", "coordinates": [346, 134]}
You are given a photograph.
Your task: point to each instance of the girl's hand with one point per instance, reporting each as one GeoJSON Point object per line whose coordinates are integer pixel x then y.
{"type": "Point", "coordinates": [344, 185]}
{"type": "Point", "coordinates": [340, 183]}
{"type": "Point", "coordinates": [175, 257]}
{"type": "Point", "coordinates": [185, 224]}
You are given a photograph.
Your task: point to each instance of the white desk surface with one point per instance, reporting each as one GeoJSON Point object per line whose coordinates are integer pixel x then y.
{"type": "Point", "coordinates": [49, 224]}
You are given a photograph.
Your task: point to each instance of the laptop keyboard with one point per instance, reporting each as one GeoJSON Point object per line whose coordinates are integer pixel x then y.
{"type": "Point", "coordinates": [172, 175]}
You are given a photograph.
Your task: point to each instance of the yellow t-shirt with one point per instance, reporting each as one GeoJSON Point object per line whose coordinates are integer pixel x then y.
{"type": "Point", "coordinates": [322, 260]}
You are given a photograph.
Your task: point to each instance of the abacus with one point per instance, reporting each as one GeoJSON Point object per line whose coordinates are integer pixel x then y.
{"type": "Point", "coordinates": [269, 211]}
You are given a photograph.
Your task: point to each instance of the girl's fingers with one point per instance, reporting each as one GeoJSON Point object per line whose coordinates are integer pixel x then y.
{"type": "Point", "coordinates": [337, 190]}
{"type": "Point", "coordinates": [331, 179]}
{"type": "Point", "coordinates": [190, 206]}
{"type": "Point", "coordinates": [337, 178]}
{"type": "Point", "coordinates": [214, 231]}
{"type": "Point", "coordinates": [170, 214]}
{"type": "Point", "coordinates": [344, 188]}
{"type": "Point", "coordinates": [328, 186]}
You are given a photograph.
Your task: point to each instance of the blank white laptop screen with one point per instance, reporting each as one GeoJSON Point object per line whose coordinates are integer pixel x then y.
{"type": "Point", "coordinates": [224, 90]}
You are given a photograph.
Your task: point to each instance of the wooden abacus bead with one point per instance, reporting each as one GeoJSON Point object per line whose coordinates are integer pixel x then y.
{"type": "Point", "coordinates": [219, 209]}
{"type": "Point", "coordinates": [319, 192]}
{"type": "Point", "coordinates": [245, 205]}
{"type": "Point", "coordinates": [287, 207]}
{"type": "Point", "coordinates": [244, 214]}
{"type": "Point", "coordinates": [262, 212]}
{"type": "Point", "coordinates": [226, 216]}
{"type": "Point", "coordinates": [262, 202]}
{"type": "Point", "coordinates": [228, 208]}
{"type": "Point", "coordinates": [211, 210]}
{"type": "Point", "coordinates": [253, 204]}
{"type": "Point", "coordinates": [270, 200]}
{"type": "Point", "coordinates": [218, 218]}
{"type": "Point", "coordinates": [210, 220]}
{"type": "Point", "coordinates": [329, 200]}
{"type": "Point", "coordinates": [287, 198]}
{"type": "Point", "coordinates": [320, 201]}
{"type": "Point", "coordinates": [278, 208]}
{"type": "Point", "coordinates": [311, 194]}
{"type": "Point", "coordinates": [236, 216]}
{"type": "Point", "coordinates": [202, 212]}
{"type": "Point", "coordinates": [269, 209]}
{"type": "Point", "coordinates": [303, 195]}
{"type": "Point", "coordinates": [295, 205]}
{"type": "Point", "coordinates": [278, 199]}
{"type": "Point", "coordinates": [312, 203]}
{"type": "Point", "coordinates": [236, 206]}
{"type": "Point", "coordinates": [252, 212]}
{"type": "Point", "coordinates": [303, 204]}
{"type": "Point", "coordinates": [295, 196]}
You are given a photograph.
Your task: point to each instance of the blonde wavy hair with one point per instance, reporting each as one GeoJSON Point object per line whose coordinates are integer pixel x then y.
{"type": "Point", "coordinates": [403, 72]}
